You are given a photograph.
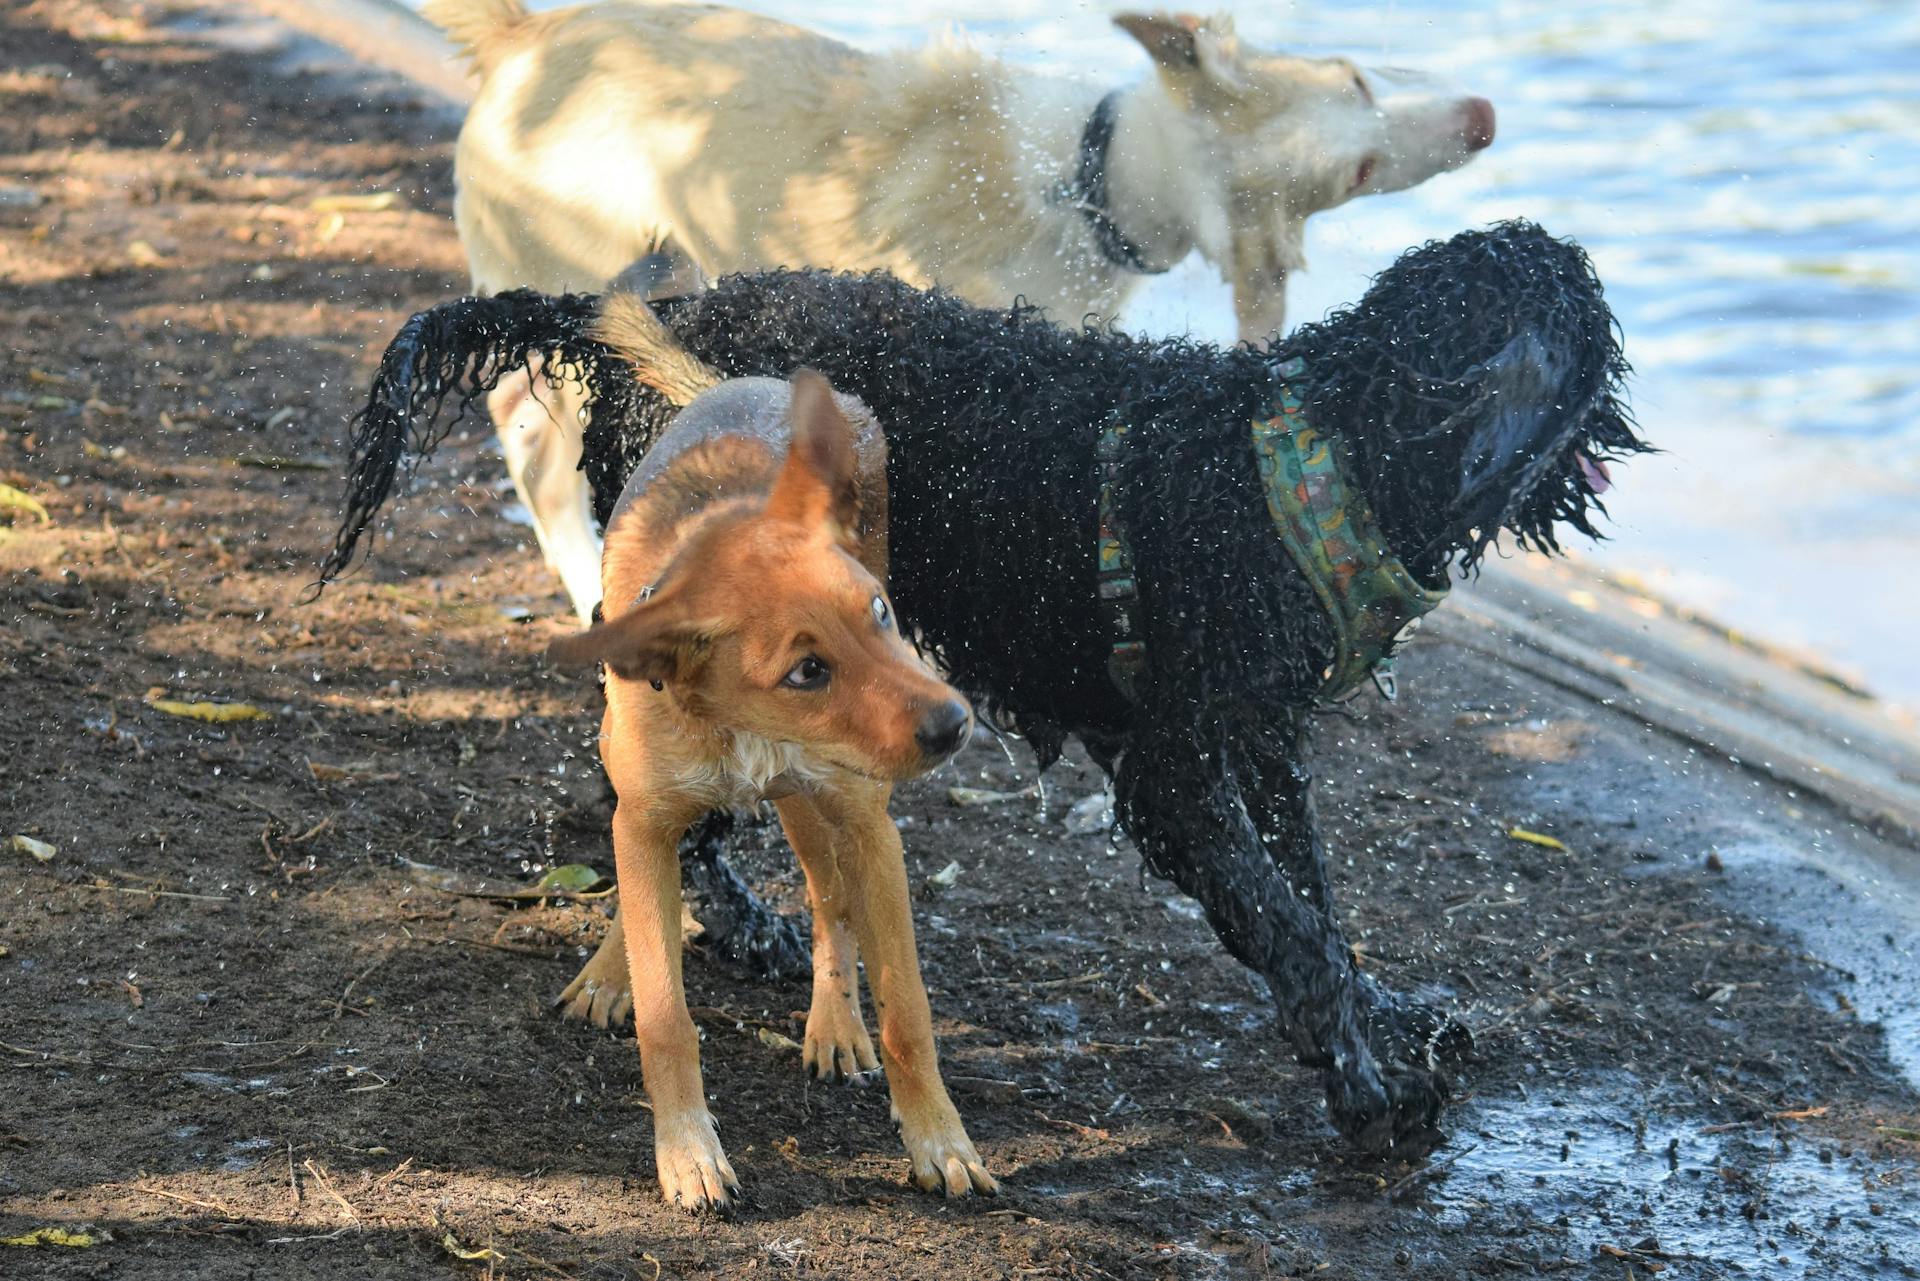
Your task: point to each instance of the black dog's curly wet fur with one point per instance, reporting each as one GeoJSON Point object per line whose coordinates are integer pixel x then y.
{"type": "Point", "coordinates": [1462, 385]}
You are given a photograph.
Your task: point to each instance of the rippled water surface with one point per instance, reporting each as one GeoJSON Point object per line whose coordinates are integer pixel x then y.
{"type": "Point", "coordinates": [1747, 178]}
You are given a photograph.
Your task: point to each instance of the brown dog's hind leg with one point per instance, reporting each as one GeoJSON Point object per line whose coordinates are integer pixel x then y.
{"type": "Point", "coordinates": [851, 851]}
{"type": "Point", "coordinates": [600, 992]}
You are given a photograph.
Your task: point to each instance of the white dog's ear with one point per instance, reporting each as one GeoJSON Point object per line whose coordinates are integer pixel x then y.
{"type": "Point", "coordinates": [1185, 45]}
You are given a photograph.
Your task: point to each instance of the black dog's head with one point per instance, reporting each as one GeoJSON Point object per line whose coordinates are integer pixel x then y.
{"type": "Point", "coordinates": [1477, 386]}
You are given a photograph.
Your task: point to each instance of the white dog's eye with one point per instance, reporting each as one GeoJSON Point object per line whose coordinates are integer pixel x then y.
{"type": "Point", "coordinates": [881, 614]}
{"type": "Point", "coordinates": [1360, 83]}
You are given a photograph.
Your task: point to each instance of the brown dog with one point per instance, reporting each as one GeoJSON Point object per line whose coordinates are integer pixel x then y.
{"type": "Point", "coordinates": [751, 653]}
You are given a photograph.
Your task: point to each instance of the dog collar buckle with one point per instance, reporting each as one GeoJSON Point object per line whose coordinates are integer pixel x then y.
{"type": "Point", "coordinates": [1383, 680]}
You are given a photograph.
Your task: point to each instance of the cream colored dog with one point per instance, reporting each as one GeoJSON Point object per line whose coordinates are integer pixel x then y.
{"type": "Point", "coordinates": [739, 142]}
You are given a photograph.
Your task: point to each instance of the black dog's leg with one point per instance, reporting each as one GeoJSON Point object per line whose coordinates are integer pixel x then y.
{"type": "Point", "coordinates": [738, 925]}
{"type": "Point", "coordinates": [1182, 803]}
{"type": "Point", "coordinates": [1404, 1034]}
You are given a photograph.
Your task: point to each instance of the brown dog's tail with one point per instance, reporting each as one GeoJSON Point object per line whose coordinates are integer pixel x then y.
{"type": "Point", "coordinates": [636, 335]}
{"type": "Point", "coordinates": [476, 25]}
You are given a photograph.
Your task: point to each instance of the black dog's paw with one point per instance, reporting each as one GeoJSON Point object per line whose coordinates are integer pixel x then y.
{"type": "Point", "coordinates": [1404, 1032]}
{"type": "Point", "coordinates": [1390, 1107]}
{"type": "Point", "coordinates": [753, 938]}
{"type": "Point", "coordinates": [1394, 1114]}
{"type": "Point", "coordinates": [739, 927]}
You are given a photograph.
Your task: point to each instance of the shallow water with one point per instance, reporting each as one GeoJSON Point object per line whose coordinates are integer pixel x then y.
{"type": "Point", "coordinates": [1747, 178]}
{"type": "Point", "coordinates": [1623, 1178]}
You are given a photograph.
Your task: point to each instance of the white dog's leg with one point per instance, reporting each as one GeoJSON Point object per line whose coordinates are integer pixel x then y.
{"type": "Point", "coordinates": [540, 435]}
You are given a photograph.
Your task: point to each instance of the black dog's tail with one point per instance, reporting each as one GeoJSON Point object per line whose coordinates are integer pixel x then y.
{"type": "Point", "coordinates": [458, 348]}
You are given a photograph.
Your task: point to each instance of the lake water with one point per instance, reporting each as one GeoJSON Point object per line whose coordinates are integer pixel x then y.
{"type": "Point", "coordinates": [1747, 178]}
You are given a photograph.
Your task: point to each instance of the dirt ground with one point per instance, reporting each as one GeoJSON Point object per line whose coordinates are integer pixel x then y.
{"type": "Point", "coordinates": [240, 1036]}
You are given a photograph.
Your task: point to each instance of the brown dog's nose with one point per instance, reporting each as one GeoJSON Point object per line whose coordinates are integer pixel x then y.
{"type": "Point", "coordinates": [943, 729]}
{"type": "Point", "coordinates": [1479, 131]}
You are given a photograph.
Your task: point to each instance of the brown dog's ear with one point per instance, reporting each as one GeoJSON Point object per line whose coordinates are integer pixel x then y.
{"type": "Point", "coordinates": [652, 643]}
{"type": "Point", "coordinates": [1185, 46]}
{"type": "Point", "coordinates": [817, 483]}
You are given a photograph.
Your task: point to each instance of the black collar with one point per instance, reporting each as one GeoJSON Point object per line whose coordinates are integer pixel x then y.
{"type": "Point", "coordinates": [1087, 192]}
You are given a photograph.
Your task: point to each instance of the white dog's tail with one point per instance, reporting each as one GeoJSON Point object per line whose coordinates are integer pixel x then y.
{"type": "Point", "coordinates": [476, 25]}
{"type": "Point", "coordinates": [641, 338]}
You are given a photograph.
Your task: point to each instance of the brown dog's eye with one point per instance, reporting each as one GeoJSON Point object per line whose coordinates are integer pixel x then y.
{"type": "Point", "coordinates": [881, 614]}
{"type": "Point", "coordinates": [808, 674]}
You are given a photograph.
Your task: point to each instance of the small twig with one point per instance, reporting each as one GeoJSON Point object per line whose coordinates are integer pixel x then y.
{"type": "Point", "coordinates": [390, 1175]}
{"type": "Point", "coordinates": [544, 953]}
{"type": "Point", "coordinates": [289, 1056]}
{"type": "Point", "coordinates": [1505, 902]}
{"type": "Point", "coordinates": [340, 1006]}
{"type": "Point", "coordinates": [1092, 976]}
{"type": "Point", "coordinates": [320, 1175]}
{"type": "Point", "coordinates": [537, 1261]}
{"type": "Point", "coordinates": [334, 1235]}
{"type": "Point", "coordinates": [1434, 1167]}
{"type": "Point", "coordinates": [1084, 1131]}
{"type": "Point", "coordinates": [1796, 1114]}
{"type": "Point", "coordinates": [135, 889]}
{"type": "Point", "coordinates": [721, 1014]}
{"type": "Point", "coordinates": [175, 1196]}
{"type": "Point", "coordinates": [324, 825]}
{"type": "Point", "coordinates": [46, 1055]}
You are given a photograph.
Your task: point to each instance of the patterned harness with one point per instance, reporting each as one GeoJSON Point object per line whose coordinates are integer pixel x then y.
{"type": "Point", "coordinates": [1372, 600]}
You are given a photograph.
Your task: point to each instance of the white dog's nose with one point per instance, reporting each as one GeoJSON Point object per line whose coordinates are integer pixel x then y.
{"type": "Point", "coordinates": [1479, 129]}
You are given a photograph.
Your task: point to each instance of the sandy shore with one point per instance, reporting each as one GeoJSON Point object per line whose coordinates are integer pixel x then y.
{"type": "Point", "coordinates": [242, 1037]}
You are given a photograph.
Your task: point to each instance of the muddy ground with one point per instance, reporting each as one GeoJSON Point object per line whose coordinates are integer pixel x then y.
{"type": "Point", "coordinates": [239, 1036]}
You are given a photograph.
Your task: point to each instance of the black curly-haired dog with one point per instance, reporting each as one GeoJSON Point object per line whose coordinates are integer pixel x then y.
{"type": "Point", "coordinates": [1475, 388]}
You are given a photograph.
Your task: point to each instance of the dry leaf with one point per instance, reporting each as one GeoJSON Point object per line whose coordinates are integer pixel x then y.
{"type": "Point", "coordinates": [358, 772]}
{"type": "Point", "coordinates": [275, 462]}
{"type": "Point", "coordinates": [1535, 838]}
{"type": "Point", "coordinates": [372, 203]}
{"type": "Point", "coordinates": [451, 1244]}
{"type": "Point", "coordinates": [56, 1236]}
{"type": "Point", "coordinates": [204, 710]}
{"type": "Point", "coordinates": [570, 878]}
{"type": "Point", "coordinates": [468, 886]}
{"type": "Point", "coordinates": [12, 499]}
{"type": "Point", "coordinates": [40, 850]}
{"type": "Point", "coordinates": [775, 1041]}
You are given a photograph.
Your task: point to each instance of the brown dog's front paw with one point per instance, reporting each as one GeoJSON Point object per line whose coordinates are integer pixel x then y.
{"type": "Point", "coordinates": [837, 1046]}
{"type": "Point", "coordinates": [944, 1158]}
{"type": "Point", "coordinates": [693, 1168]}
